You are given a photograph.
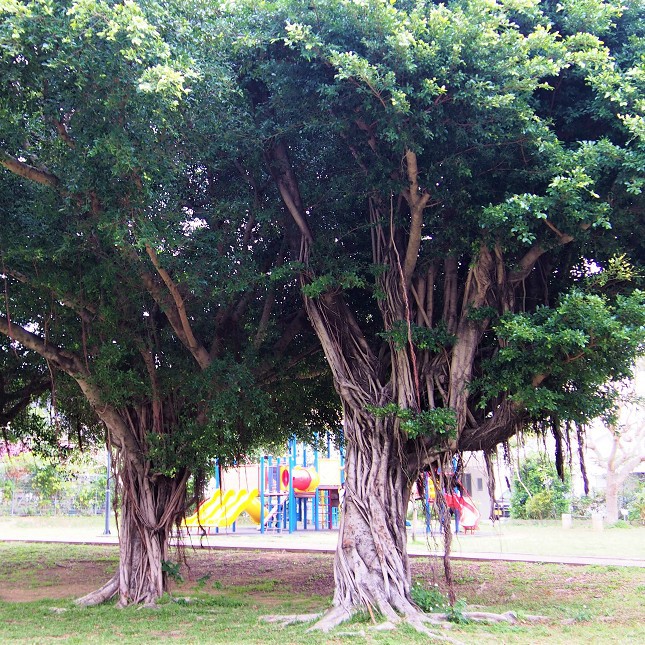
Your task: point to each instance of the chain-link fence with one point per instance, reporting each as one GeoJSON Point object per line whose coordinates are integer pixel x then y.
{"type": "Point", "coordinates": [86, 497]}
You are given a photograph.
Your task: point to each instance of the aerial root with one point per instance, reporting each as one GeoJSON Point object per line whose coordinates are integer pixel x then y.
{"type": "Point", "coordinates": [107, 591]}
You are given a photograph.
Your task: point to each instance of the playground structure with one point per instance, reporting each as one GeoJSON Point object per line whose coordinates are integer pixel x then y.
{"type": "Point", "coordinates": [301, 490]}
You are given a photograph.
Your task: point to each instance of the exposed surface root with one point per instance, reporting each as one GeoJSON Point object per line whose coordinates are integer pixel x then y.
{"type": "Point", "coordinates": [107, 591]}
{"type": "Point", "coordinates": [418, 622]}
{"type": "Point", "coordinates": [331, 619]}
{"type": "Point", "coordinates": [291, 619]}
{"type": "Point", "coordinates": [412, 617]}
{"type": "Point", "coordinates": [485, 617]}
{"type": "Point", "coordinates": [416, 619]}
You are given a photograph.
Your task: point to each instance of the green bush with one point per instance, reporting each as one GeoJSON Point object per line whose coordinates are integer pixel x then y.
{"type": "Point", "coordinates": [587, 504]}
{"type": "Point", "coordinates": [636, 506]}
{"type": "Point", "coordinates": [7, 487]}
{"type": "Point", "coordinates": [541, 506]}
{"type": "Point", "coordinates": [430, 600]}
{"type": "Point", "coordinates": [539, 493]}
{"type": "Point", "coordinates": [47, 479]}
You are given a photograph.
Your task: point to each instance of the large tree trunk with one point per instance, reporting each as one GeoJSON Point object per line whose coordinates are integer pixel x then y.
{"type": "Point", "coordinates": [150, 504]}
{"type": "Point", "coordinates": [377, 387]}
{"type": "Point", "coordinates": [371, 565]}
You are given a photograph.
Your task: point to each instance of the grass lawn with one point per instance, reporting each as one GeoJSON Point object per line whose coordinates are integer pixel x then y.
{"type": "Point", "coordinates": [224, 594]}
{"type": "Point", "coordinates": [549, 538]}
{"type": "Point", "coordinates": [58, 527]}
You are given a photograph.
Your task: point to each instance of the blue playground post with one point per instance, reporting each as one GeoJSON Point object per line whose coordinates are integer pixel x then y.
{"type": "Point", "coordinates": [292, 494]}
{"type": "Point", "coordinates": [291, 505]}
{"type": "Point", "coordinates": [315, 507]}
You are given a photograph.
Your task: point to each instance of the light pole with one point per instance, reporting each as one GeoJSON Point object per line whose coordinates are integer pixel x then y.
{"type": "Point", "coordinates": [107, 494]}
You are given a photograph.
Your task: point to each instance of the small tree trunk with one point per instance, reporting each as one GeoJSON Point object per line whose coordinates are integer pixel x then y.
{"type": "Point", "coordinates": [371, 566]}
{"type": "Point", "coordinates": [611, 499]}
{"type": "Point", "coordinates": [150, 505]}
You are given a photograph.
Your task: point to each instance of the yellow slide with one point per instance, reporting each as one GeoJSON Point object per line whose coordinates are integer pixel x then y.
{"type": "Point", "coordinates": [223, 508]}
{"type": "Point", "coordinates": [242, 501]}
{"type": "Point", "coordinates": [254, 510]}
{"type": "Point", "coordinates": [210, 506]}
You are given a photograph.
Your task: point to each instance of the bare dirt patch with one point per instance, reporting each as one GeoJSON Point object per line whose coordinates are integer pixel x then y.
{"type": "Point", "coordinates": [305, 573]}
{"type": "Point", "coordinates": [483, 584]}
{"type": "Point", "coordinates": [267, 575]}
{"type": "Point", "coordinates": [67, 579]}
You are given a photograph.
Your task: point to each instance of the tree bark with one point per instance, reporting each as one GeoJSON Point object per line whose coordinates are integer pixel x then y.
{"type": "Point", "coordinates": [371, 565]}
{"type": "Point", "coordinates": [150, 506]}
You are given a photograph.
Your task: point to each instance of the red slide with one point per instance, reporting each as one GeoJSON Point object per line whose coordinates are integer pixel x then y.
{"type": "Point", "coordinates": [468, 513]}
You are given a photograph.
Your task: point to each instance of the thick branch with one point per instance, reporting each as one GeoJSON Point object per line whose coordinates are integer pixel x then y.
{"type": "Point", "coordinates": [166, 304]}
{"type": "Point", "coordinates": [23, 398]}
{"type": "Point", "coordinates": [66, 361]}
{"type": "Point", "coordinates": [417, 201]}
{"type": "Point", "coordinates": [73, 365]}
{"type": "Point", "coordinates": [32, 173]}
{"type": "Point", "coordinates": [61, 128]}
{"type": "Point", "coordinates": [533, 255]}
{"type": "Point", "coordinates": [348, 353]}
{"type": "Point", "coordinates": [285, 179]}
{"type": "Point", "coordinates": [195, 347]}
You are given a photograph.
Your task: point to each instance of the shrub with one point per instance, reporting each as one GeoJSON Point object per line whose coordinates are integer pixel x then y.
{"type": "Point", "coordinates": [636, 507]}
{"type": "Point", "coordinates": [430, 600]}
{"type": "Point", "coordinates": [538, 493]}
{"type": "Point", "coordinates": [587, 504]}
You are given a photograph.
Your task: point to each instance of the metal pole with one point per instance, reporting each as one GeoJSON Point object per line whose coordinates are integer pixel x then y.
{"type": "Point", "coordinates": [107, 494]}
